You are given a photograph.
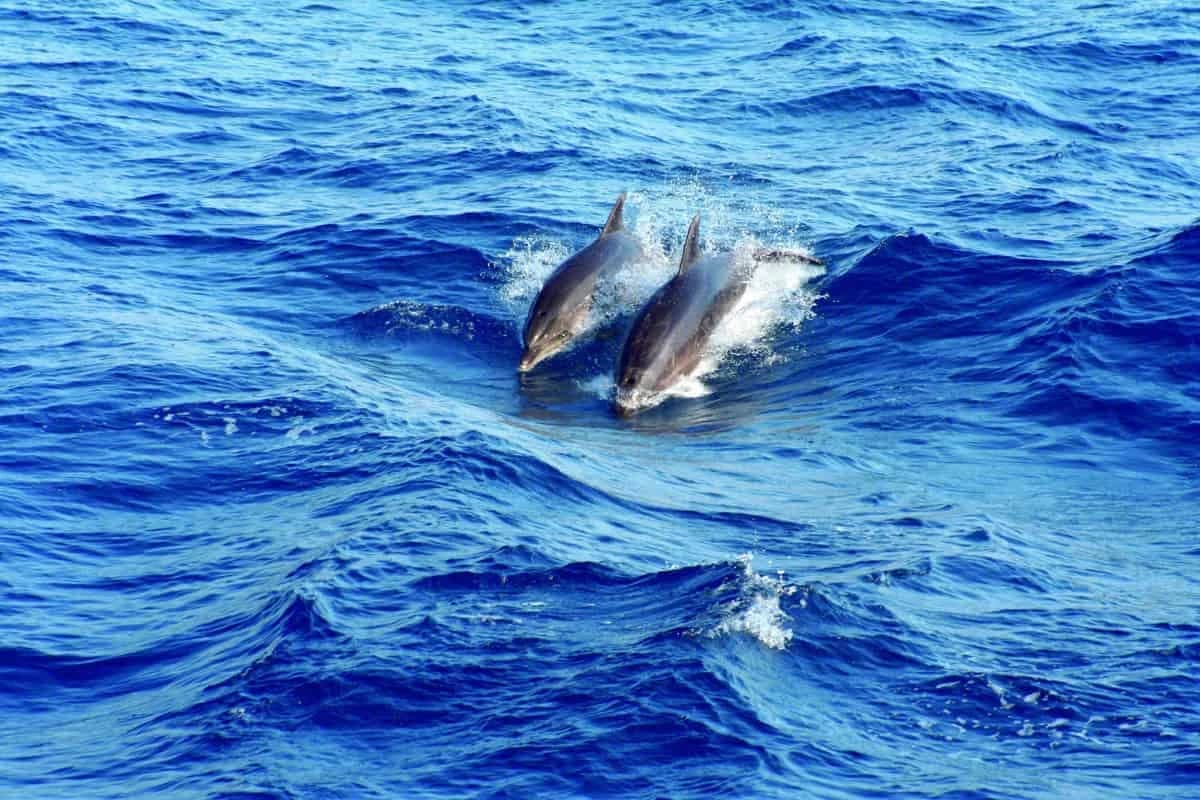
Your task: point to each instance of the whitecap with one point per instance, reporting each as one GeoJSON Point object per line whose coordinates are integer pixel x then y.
{"type": "Point", "coordinates": [757, 610]}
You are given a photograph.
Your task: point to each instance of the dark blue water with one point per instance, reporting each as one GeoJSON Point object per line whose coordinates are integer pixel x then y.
{"type": "Point", "coordinates": [279, 519]}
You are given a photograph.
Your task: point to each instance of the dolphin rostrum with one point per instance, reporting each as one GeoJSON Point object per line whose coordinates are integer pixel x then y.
{"type": "Point", "coordinates": [560, 312]}
{"type": "Point", "coordinates": [671, 331]}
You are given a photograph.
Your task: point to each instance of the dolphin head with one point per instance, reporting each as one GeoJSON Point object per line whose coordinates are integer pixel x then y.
{"type": "Point", "coordinates": [548, 330]}
{"type": "Point", "coordinates": [629, 396]}
{"type": "Point", "coordinates": [643, 370]}
{"type": "Point", "coordinates": [652, 362]}
{"type": "Point", "coordinates": [639, 385]}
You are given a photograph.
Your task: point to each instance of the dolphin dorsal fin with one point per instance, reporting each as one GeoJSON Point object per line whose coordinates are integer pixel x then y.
{"type": "Point", "coordinates": [615, 223]}
{"type": "Point", "coordinates": [691, 246]}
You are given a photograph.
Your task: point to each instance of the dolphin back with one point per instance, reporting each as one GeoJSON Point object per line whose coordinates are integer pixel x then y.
{"type": "Point", "coordinates": [616, 221]}
{"type": "Point", "coordinates": [671, 332]}
{"type": "Point", "coordinates": [786, 256]}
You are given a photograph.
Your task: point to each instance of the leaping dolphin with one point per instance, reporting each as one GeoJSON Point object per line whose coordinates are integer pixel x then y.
{"type": "Point", "coordinates": [560, 312]}
{"type": "Point", "coordinates": [671, 331]}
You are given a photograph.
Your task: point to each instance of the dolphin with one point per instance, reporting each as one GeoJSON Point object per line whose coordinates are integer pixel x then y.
{"type": "Point", "coordinates": [671, 331]}
{"type": "Point", "coordinates": [560, 312]}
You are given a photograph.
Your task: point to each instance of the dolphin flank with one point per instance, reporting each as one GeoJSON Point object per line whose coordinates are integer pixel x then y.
{"type": "Point", "coordinates": [560, 312]}
{"type": "Point", "coordinates": [671, 331]}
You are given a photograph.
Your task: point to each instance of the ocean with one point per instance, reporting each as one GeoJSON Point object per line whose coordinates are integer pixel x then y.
{"type": "Point", "coordinates": [279, 518]}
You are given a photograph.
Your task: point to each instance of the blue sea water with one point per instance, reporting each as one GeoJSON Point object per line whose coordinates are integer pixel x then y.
{"type": "Point", "coordinates": [278, 517]}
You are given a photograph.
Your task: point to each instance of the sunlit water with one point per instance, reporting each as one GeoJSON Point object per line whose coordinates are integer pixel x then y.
{"type": "Point", "coordinates": [279, 518]}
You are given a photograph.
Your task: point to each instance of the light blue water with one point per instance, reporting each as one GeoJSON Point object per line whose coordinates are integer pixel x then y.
{"type": "Point", "coordinates": [278, 518]}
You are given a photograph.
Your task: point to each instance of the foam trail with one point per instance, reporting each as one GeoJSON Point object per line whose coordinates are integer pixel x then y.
{"type": "Point", "coordinates": [777, 296]}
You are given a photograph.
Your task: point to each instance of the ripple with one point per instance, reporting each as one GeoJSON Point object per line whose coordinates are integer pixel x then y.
{"type": "Point", "coordinates": [278, 518]}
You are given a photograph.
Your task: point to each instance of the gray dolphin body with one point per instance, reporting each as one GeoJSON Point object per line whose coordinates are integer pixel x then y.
{"type": "Point", "coordinates": [671, 331]}
{"type": "Point", "coordinates": [560, 312]}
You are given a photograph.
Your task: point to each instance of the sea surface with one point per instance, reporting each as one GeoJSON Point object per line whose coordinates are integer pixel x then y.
{"type": "Point", "coordinates": [279, 518]}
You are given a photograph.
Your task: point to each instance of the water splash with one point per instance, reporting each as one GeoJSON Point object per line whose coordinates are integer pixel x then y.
{"type": "Point", "coordinates": [756, 609]}
{"type": "Point", "coordinates": [777, 297]}
{"type": "Point", "coordinates": [529, 261]}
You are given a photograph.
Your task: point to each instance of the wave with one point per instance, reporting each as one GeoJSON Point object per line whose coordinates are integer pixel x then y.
{"type": "Point", "coordinates": [303, 676]}
{"type": "Point", "coordinates": [935, 97]}
{"type": "Point", "coordinates": [1097, 52]}
{"type": "Point", "coordinates": [156, 664]}
{"type": "Point", "coordinates": [1174, 249]}
{"type": "Point", "coordinates": [801, 44]}
{"type": "Point", "coordinates": [709, 601]}
{"type": "Point", "coordinates": [912, 286]}
{"type": "Point", "coordinates": [1046, 340]}
{"type": "Point", "coordinates": [1022, 706]}
{"type": "Point", "coordinates": [853, 98]}
{"type": "Point", "coordinates": [406, 319]}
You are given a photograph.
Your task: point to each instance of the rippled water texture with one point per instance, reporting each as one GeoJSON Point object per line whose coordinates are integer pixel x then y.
{"type": "Point", "coordinates": [278, 518]}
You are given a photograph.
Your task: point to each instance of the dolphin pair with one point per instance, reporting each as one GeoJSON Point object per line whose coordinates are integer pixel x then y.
{"type": "Point", "coordinates": [670, 333]}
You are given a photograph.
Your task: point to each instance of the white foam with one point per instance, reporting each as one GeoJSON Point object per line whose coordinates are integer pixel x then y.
{"type": "Point", "coordinates": [756, 610]}
{"type": "Point", "coordinates": [690, 386]}
{"type": "Point", "coordinates": [530, 260]}
{"type": "Point", "coordinates": [598, 385]}
{"type": "Point", "coordinates": [776, 297]}
{"type": "Point", "coordinates": [300, 428]}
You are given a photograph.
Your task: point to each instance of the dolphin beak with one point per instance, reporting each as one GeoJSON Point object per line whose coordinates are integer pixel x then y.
{"type": "Point", "coordinates": [530, 359]}
{"type": "Point", "coordinates": [539, 351]}
{"type": "Point", "coordinates": [623, 406]}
